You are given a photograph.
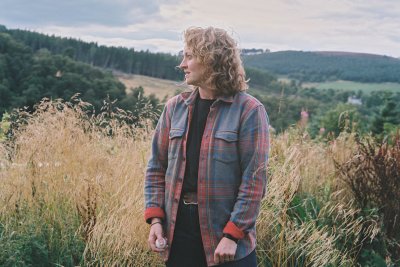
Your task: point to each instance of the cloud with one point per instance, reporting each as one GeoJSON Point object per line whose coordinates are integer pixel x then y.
{"type": "Point", "coordinates": [80, 12]}
{"type": "Point", "coordinates": [347, 25]}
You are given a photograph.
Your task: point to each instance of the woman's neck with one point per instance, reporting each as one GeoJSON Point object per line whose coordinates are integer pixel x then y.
{"type": "Point", "coordinates": [207, 93]}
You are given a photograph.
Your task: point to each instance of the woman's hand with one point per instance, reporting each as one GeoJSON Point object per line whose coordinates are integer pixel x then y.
{"type": "Point", "coordinates": [156, 232]}
{"type": "Point", "coordinates": [225, 251]}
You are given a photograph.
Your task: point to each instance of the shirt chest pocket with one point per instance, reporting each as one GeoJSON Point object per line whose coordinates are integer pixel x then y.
{"type": "Point", "coordinates": [226, 146]}
{"type": "Point", "coordinates": [175, 142]}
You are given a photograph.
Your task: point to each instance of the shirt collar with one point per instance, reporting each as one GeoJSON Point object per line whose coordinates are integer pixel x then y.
{"type": "Point", "coordinates": [191, 98]}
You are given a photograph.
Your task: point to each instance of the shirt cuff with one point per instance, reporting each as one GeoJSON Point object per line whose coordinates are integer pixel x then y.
{"type": "Point", "coordinates": [153, 212]}
{"type": "Point", "coordinates": [233, 230]}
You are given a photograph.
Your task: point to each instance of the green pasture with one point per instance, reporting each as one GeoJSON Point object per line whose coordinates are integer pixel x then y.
{"type": "Point", "coordinates": [355, 86]}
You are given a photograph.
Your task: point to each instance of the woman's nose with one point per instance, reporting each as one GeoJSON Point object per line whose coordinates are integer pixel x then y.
{"type": "Point", "coordinates": [183, 64]}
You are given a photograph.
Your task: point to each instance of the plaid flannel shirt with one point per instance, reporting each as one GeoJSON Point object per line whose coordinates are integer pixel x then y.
{"type": "Point", "coordinates": [232, 173]}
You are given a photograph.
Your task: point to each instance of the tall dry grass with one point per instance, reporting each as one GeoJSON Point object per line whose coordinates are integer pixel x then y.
{"type": "Point", "coordinates": [67, 166]}
{"type": "Point", "coordinates": [67, 174]}
{"type": "Point", "coordinates": [307, 217]}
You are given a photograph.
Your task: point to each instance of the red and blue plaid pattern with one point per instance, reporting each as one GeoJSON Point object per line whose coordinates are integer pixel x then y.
{"type": "Point", "coordinates": [232, 169]}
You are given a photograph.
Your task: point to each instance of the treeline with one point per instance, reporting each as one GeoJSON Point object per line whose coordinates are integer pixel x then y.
{"type": "Point", "coordinates": [27, 76]}
{"type": "Point", "coordinates": [128, 60]}
{"type": "Point", "coordinates": [124, 59]}
{"type": "Point", "coordinates": [324, 66]}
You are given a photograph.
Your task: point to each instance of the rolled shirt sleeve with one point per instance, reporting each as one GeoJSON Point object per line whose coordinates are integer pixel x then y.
{"type": "Point", "coordinates": [154, 188]}
{"type": "Point", "coordinates": [254, 149]}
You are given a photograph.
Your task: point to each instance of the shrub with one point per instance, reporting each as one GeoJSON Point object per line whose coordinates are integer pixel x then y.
{"type": "Point", "coordinates": [373, 176]}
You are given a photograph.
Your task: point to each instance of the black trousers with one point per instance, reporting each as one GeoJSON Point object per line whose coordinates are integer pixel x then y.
{"type": "Point", "coordinates": [187, 248]}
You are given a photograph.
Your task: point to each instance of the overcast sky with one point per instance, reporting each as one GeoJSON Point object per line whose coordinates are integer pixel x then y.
{"type": "Point", "coordinates": [371, 26]}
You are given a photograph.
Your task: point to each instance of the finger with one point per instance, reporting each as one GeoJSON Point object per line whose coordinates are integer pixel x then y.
{"type": "Point", "coordinates": [225, 257]}
{"type": "Point", "coordinates": [222, 258]}
{"type": "Point", "coordinates": [159, 235]}
{"type": "Point", "coordinates": [158, 231]}
{"type": "Point", "coordinates": [158, 249]}
{"type": "Point", "coordinates": [216, 258]}
{"type": "Point", "coordinates": [152, 243]}
{"type": "Point", "coordinates": [155, 249]}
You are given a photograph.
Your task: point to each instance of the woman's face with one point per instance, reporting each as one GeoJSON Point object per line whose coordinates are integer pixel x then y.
{"type": "Point", "coordinates": [193, 68]}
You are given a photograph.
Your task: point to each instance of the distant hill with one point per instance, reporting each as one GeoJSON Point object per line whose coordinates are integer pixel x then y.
{"type": "Point", "coordinates": [328, 65]}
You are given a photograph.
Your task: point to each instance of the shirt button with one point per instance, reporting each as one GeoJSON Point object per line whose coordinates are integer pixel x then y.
{"type": "Point", "coordinates": [176, 200]}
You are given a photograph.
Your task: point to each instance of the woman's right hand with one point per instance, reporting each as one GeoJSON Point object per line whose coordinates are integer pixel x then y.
{"type": "Point", "coordinates": [156, 232]}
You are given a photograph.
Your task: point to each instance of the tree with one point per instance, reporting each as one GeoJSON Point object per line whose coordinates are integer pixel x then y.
{"type": "Point", "coordinates": [388, 119]}
{"type": "Point", "coordinates": [343, 117]}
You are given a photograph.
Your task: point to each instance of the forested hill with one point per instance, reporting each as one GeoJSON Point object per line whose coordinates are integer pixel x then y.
{"type": "Point", "coordinates": [124, 59]}
{"type": "Point", "coordinates": [323, 66]}
{"type": "Point", "coordinates": [26, 77]}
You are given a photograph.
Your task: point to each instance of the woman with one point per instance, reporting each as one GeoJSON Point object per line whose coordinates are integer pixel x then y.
{"type": "Point", "coordinates": [207, 172]}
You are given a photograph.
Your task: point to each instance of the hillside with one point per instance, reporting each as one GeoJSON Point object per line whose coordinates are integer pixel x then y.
{"type": "Point", "coordinates": [326, 65]}
{"type": "Point", "coordinates": [161, 88]}
{"type": "Point", "coordinates": [123, 59]}
{"type": "Point", "coordinates": [27, 76]}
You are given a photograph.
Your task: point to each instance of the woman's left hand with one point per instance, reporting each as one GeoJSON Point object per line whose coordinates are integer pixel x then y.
{"type": "Point", "coordinates": [225, 251]}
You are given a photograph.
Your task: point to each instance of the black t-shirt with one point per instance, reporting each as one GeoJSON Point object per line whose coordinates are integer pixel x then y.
{"type": "Point", "coordinates": [196, 130]}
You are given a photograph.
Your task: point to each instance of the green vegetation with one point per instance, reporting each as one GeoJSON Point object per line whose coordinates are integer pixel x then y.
{"type": "Point", "coordinates": [354, 86]}
{"type": "Point", "coordinates": [27, 77]}
{"type": "Point", "coordinates": [116, 58]}
{"type": "Point", "coordinates": [328, 66]}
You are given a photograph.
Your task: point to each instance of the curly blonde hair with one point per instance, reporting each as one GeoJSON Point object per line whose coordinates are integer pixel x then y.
{"type": "Point", "coordinates": [219, 53]}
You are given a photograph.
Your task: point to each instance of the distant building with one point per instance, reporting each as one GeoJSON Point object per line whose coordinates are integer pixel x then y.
{"type": "Point", "coordinates": [58, 74]}
{"type": "Point", "coordinates": [354, 100]}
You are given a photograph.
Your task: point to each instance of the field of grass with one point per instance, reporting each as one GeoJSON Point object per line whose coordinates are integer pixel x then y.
{"type": "Point", "coordinates": [166, 88]}
{"type": "Point", "coordinates": [355, 86]}
{"type": "Point", "coordinates": [159, 87]}
{"type": "Point", "coordinates": [72, 194]}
